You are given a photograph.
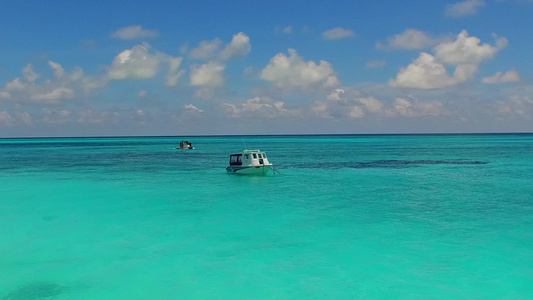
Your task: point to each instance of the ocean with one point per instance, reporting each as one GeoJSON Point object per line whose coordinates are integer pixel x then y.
{"type": "Point", "coordinates": [347, 217]}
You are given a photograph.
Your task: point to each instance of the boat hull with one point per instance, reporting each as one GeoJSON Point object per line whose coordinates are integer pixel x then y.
{"type": "Point", "coordinates": [249, 170]}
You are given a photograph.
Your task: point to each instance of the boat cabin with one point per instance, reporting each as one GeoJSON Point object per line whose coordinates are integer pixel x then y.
{"type": "Point", "coordinates": [185, 145]}
{"type": "Point", "coordinates": [248, 158]}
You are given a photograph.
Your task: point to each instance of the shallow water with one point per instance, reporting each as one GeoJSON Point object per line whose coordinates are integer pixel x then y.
{"type": "Point", "coordinates": [372, 217]}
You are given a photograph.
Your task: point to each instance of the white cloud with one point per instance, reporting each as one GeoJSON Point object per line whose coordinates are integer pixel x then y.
{"type": "Point", "coordinates": [350, 104]}
{"type": "Point", "coordinates": [239, 47]}
{"type": "Point", "coordinates": [135, 63]}
{"type": "Point", "coordinates": [337, 34]}
{"type": "Point", "coordinates": [260, 107]}
{"type": "Point", "coordinates": [371, 104]}
{"type": "Point", "coordinates": [29, 73]}
{"type": "Point", "coordinates": [7, 119]}
{"type": "Point", "coordinates": [134, 32]}
{"type": "Point", "coordinates": [58, 69]}
{"type": "Point", "coordinates": [499, 77]}
{"type": "Point", "coordinates": [206, 49]}
{"type": "Point", "coordinates": [424, 73]}
{"type": "Point", "coordinates": [429, 72]}
{"type": "Point", "coordinates": [516, 105]}
{"type": "Point", "coordinates": [467, 50]}
{"type": "Point", "coordinates": [465, 8]}
{"type": "Point", "coordinates": [410, 39]}
{"type": "Point", "coordinates": [412, 108]}
{"type": "Point", "coordinates": [55, 94]}
{"type": "Point", "coordinates": [335, 94]}
{"type": "Point", "coordinates": [293, 72]}
{"type": "Point", "coordinates": [141, 62]}
{"type": "Point", "coordinates": [64, 85]}
{"type": "Point", "coordinates": [174, 74]}
{"type": "Point", "coordinates": [208, 75]}
{"type": "Point", "coordinates": [190, 107]}
{"type": "Point", "coordinates": [5, 95]}
{"type": "Point", "coordinates": [374, 64]}
{"type": "Point", "coordinates": [16, 85]}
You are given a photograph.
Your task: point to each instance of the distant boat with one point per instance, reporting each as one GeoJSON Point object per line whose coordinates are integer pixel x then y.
{"type": "Point", "coordinates": [252, 162]}
{"type": "Point", "coordinates": [185, 145]}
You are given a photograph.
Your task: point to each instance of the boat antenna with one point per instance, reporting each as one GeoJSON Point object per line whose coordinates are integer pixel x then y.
{"type": "Point", "coordinates": [244, 143]}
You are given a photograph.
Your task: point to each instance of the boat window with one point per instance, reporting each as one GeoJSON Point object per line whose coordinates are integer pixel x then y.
{"type": "Point", "coordinates": [235, 159]}
{"type": "Point", "coordinates": [264, 155]}
{"type": "Point", "coordinates": [247, 156]}
{"type": "Point", "coordinates": [259, 155]}
{"type": "Point", "coordinates": [255, 156]}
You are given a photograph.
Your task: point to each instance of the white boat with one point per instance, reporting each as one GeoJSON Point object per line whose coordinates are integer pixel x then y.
{"type": "Point", "coordinates": [185, 145]}
{"type": "Point", "coordinates": [253, 162]}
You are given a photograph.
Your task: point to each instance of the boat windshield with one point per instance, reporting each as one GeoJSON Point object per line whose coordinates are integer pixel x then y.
{"type": "Point", "coordinates": [235, 159]}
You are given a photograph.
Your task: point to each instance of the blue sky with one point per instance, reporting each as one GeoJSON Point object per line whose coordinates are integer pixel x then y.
{"type": "Point", "coordinates": [96, 68]}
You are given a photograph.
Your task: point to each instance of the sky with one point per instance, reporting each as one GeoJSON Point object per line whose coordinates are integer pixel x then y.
{"type": "Point", "coordinates": [185, 68]}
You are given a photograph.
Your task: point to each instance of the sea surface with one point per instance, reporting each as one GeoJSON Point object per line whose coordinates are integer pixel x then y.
{"type": "Point", "coordinates": [347, 217]}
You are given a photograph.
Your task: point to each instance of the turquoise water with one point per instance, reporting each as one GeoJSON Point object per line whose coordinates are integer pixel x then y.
{"type": "Point", "coordinates": [349, 217]}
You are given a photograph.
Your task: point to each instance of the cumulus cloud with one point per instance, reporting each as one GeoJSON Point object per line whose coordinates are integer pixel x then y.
{"type": "Point", "coordinates": [499, 77]}
{"type": "Point", "coordinates": [346, 104]}
{"type": "Point", "coordinates": [4, 95]}
{"type": "Point", "coordinates": [293, 72]}
{"type": "Point", "coordinates": [64, 85]}
{"type": "Point", "coordinates": [467, 50]}
{"type": "Point", "coordinates": [424, 73]}
{"type": "Point", "coordinates": [208, 50]}
{"type": "Point", "coordinates": [465, 8]}
{"type": "Point", "coordinates": [142, 62]}
{"type": "Point", "coordinates": [29, 74]}
{"type": "Point", "coordinates": [340, 103]}
{"type": "Point", "coordinates": [210, 74]}
{"type": "Point", "coordinates": [350, 104]}
{"type": "Point", "coordinates": [58, 69]}
{"type": "Point", "coordinates": [134, 32]}
{"type": "Point", "coordinates": [337, 34]}
{"type": "Point", "coordinates": [260, 107]}
{"type": "Point", "coordinates": [410, 39]}
{"type": "Point", "coordinates": [429, 72]}
{"type": "Point", "coordinates": [135, 63]}
{"type": "Point", "coordinates": [412, 108]}
{"type": "Point", "coordinates": [239, 47]}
